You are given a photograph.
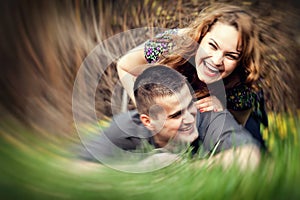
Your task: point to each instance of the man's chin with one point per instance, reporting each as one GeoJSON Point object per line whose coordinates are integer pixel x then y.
{"type": "Point", "coordinates": [188, 138]}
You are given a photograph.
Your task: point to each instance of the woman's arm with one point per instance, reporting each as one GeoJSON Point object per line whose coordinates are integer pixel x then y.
{"type": "Point", "coordinates": [128, 67]}
{"type": "Point", "coordinates": [246, 157]}
{"type": "Point", "coordinates": [134, 62]}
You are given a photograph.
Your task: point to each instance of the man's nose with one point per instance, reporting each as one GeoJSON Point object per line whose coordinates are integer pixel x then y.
{"type": "Point", "coordinates": [217, 58]}
{"type": "Point", "coordinates": [188, 117]}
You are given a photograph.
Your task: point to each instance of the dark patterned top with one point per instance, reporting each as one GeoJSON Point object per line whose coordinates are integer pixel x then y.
{"type": "Point", "coordinates": [241, 97]}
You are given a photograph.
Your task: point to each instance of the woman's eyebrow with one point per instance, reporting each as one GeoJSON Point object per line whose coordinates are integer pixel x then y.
{"type": "Point", "coordinates": [232, 52]}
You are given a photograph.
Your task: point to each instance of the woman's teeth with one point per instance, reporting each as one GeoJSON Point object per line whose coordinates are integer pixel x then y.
{"type": "Point", "coordinates": [211, 68]}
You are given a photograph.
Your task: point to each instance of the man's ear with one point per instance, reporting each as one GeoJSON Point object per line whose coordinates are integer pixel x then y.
{"type": "Point", "coordinates": [147, 121]}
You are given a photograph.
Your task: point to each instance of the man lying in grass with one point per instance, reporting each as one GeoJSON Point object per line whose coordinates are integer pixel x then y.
{"type": "Point", "coordinates": [166, 120]}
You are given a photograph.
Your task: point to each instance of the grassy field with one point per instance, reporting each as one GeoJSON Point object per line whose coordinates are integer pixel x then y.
{"type": "Point", "coordinates": [35, 168]}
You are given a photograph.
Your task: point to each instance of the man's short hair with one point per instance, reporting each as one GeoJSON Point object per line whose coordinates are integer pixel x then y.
{"type": "Point", "coordinates": [156, 81]}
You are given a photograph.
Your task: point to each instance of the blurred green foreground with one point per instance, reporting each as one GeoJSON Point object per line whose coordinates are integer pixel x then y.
{"type": "Point", "coordinates": [33, 168]}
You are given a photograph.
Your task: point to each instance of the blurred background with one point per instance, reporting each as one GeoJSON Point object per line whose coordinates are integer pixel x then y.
{"type": "Point", "coordinates": [42, 46]}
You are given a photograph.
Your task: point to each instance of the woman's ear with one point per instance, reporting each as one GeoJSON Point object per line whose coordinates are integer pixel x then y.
{"type": "Point", "coordinates": [147, 121]}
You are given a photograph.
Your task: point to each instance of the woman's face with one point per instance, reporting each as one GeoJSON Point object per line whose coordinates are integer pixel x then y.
{"type": "Point", "coordinates": [218, 53]}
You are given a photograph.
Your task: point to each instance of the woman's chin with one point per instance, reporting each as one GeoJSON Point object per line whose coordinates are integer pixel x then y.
{"type": "Point", "coordinates": [208, 80]}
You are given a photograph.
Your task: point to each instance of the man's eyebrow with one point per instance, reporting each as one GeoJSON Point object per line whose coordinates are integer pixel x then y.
{"type": "Point", "coordinates": [232, 52]}
{"type": "Point", "coordinates": [175, 114]}
{"type": "Point", "coordinates": [180, 111]}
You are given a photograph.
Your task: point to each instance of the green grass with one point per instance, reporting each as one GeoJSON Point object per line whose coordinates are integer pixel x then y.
{"type": "Point", "coordinates": [34, 168]}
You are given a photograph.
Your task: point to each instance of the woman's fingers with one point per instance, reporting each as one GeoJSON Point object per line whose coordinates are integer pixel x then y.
{"type": "Point", "coordinates": [210, 103]}
{"type": "Point", "coordinates": [204, 103]}
{"type": "Point", "coordinates": [206, 109]}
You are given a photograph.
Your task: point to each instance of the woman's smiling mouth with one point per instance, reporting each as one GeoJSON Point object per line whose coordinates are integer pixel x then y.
{"type": "Point", "coordinates": [209, 70]}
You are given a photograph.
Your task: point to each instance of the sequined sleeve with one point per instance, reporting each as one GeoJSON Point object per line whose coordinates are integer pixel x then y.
{"type": "Point", "coordinates": [162, 44]}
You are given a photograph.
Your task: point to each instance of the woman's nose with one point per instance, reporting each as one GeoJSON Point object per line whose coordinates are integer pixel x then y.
{"type": "Point", "coordinates": [217, 58]}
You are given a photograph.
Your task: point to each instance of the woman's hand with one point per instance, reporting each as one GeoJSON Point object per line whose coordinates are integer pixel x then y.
{"type": "Point", "coordinates": [211, 103]}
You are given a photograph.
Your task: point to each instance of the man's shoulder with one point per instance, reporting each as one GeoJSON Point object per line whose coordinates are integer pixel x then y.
{"type": "Point", "coordinates": [220, 128]}
{"type": "Point", "coordinates": [125, 132]}
{"type": "Point", "coordinates": [128, 124]}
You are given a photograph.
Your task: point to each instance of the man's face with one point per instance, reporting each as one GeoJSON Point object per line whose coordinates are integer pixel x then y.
{"type": "Point", "coordinates": [176, 119]}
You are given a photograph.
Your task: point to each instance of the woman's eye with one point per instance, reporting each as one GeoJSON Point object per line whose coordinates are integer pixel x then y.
{"type": "Point", "coordinates": [232, 57]}
{"type": "Point", "coordinates": [212, 46]}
